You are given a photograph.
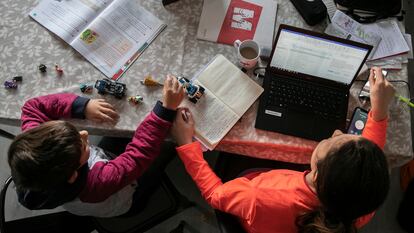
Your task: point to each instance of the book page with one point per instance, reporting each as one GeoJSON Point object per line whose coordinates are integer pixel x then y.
{"type": "Point", "coordinates": [230, 84]}
{"type": "Point", "coordinates": [117, 35]}
{"type": "Point", "coordinates": [213, 119]}
{"type": "Point", "coordinates": [67, 18]}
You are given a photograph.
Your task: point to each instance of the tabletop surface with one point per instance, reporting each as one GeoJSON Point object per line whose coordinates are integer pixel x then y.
{"type": "Point", "coordinates": [25, 44]}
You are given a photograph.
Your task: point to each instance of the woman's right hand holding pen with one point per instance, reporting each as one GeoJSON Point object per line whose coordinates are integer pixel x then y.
{"type": "Point", "coordinates": [381, 94]}
{"type": "Point", "coordinates": [183, 127]}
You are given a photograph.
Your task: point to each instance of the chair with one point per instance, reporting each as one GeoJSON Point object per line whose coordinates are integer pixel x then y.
{"type": "Point", "coordinates": [166, 197]}
{"type": "Point", "coordinates": [164, 203]}
{"type": "Point", "coordinates": [229, 166]}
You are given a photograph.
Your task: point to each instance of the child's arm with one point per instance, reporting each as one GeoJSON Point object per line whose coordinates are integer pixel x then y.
{"type": "Point", "coordinates": [52, 107]}
{"type": "Point", "coordinates": [382, 93]}
{"type": "Point", "coordinates": [104, 179]}
{"type": "Point", "coordinates": [375, 130]}
{"type": "Point", "coordinates": [236, 197]}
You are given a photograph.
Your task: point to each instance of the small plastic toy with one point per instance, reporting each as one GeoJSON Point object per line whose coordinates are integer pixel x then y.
{"type": "Point", "coordinates": [149, 81]}
{"type": "Point", "coordinates": [136, 99]}
{"type": "Point", "coordinates": [194, 92]}
{"type": "Point", "coordinates": [10, 84]}
{"type": "Point", "coordinates": [17, 78]}
{"type": "Point", "coordinates": [86, 88]}
{"type": "Point", "coordinates": [42, 68]}
{"type": "Point", "coordinates": [58, 69]}
{"type": "Point", "coordinates": [112, 87]}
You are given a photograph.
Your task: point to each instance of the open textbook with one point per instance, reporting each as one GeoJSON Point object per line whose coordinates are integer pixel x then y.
{"type": "Point", "coordinates": [110, 34]}
{"type": "Point", "coordinates": [224, 21]}
{"type": "Point", "coordinates": [228, 95]}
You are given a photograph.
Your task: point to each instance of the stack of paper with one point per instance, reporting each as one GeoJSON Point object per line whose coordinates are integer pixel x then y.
{"type": "Point", "coordinates": [391, 46]}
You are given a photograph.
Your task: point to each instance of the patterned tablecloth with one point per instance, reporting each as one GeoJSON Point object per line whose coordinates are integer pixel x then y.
{"type": "Point", "coordinates": [25, 44]}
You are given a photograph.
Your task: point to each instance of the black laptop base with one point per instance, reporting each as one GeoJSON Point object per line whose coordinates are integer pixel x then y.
{"type": "Point", "coordinates": [297, 120]}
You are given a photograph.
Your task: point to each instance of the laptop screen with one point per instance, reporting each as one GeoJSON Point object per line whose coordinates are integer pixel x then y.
{"type": "Point", "coordinates": [317, 56]}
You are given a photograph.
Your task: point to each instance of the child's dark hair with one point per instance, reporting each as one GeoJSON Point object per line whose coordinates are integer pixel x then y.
{"type": "Point", "coordinates": [352, 181]}
{"type": "Point", "coordinates": [46, 156]}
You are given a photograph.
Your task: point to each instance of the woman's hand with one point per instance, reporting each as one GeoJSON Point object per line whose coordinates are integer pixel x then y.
{"type": "Point", "coordinates": [99, 110]}
{"type": "Point", "coordinates": [173, 93]}
{"type": "Point", "coordinates": [382, 93]}
{"type": "Point", "coordinates": [183, 127]}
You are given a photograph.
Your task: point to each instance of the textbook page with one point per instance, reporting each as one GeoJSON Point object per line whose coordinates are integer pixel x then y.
{"type": "Point", "coordinates": [118, 36]}
{"type": "Point", "coordinates": [213, 119]}
{"type": "Point", "coordinates": [228, 83]}
{"type": "Point", "coordinates": [68, 18]}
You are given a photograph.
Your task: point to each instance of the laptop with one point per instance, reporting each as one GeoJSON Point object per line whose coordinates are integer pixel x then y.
{"type": "Point", "coordinates": [307, 82]}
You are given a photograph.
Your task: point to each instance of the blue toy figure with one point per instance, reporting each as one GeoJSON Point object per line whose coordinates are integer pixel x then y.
{"type": "Point", "coordinates": [194, 92]}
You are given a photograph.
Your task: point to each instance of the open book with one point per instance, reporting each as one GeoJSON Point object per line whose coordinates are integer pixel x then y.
{"type": "Point", "coordinates": [110, 34]}
{"type": "Point", "coordinates": [224, 21]}
{"type": "Point", "coordinates": [228, 95]}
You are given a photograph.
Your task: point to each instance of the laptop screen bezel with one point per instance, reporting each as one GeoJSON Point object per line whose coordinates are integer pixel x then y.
{"type": "Point", "coordinates": [319, 35]}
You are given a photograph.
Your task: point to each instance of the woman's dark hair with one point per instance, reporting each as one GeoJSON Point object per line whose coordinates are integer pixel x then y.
{"type": "Point", "coordinates": [352, 181]}
{"type": "Point", "coordinates": [46, 156]}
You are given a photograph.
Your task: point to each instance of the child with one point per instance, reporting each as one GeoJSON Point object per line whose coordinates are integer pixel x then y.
{"type": "Point", "coordinates": [52, 164]}
{"type": "Point", "coordinates": [347, 182]}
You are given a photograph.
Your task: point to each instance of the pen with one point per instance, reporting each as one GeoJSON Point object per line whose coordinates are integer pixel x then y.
{"type": "Point", "coordinates": [185, 115]}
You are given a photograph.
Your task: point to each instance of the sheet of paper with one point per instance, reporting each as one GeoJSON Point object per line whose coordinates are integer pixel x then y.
{"type": "Point", "coordinates": [407, 38]}
{"type": "Point", "coordinates": [392, 41]}
{"type": "Point", "coordinates": [230, 85]}
{"type": "Point", "coordinates": [67, 18]}
{"type": "Point", "coordinates": [116, 35]}
{"type": "Point", "coordinates": [345, 27]}
{"type": "Point", "coordinates": [213, 119]}
{"type": "Point", "coordinates": [331, 7]}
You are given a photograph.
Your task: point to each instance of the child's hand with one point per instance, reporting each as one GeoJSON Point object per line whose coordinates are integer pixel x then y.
{"type": "Point", "coordinates": [173, 93]}
{"type": "Point", "coordinates": [100, 111]}
{"type": "Point", "coordinates": [183, 127]}
{"type": "Point", "coordinates": [382, 93]}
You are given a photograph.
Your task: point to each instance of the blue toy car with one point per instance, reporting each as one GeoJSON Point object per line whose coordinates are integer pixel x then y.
{"type": "Point", "coordinates": [112, 87]}
{"type": "Point", "coordinates": [194, 92]}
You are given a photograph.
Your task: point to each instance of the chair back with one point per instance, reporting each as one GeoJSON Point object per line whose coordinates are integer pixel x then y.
{"type": "Point", "coordinates": [3, 203]}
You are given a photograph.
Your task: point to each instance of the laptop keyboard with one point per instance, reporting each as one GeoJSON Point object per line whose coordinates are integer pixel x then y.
{"type": "Point", "coordinates": [301, 96]}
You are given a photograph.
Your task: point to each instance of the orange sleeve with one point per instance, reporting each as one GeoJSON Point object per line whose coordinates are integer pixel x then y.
{"type": "Point", "coordinates": [361, 221]}
{"type": "Point", "coordinates": [375, 130]}
{"type": "Point", "coordinates": [236, 197]}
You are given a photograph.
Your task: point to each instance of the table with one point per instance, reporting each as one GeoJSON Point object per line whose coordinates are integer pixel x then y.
{"type": "Point", "coordinates": [25, 44]}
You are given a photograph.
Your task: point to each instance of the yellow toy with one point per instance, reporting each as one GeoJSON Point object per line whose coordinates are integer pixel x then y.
{"type": "Point", "coordinates": [149, 81]}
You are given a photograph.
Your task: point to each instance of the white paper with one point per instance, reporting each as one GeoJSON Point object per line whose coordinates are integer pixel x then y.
{"type": "Point", "coordinates": [392, 40]}
{"type": "Point", "coordinates": [331, 7]}
{"type": "Point", "coordinates": [407, 38]}
{"type": "Point", "coordinates": [345, 27]}
{"type": "Point", "coordinates": [68, 18]}
{"type": "Point", "coordinates": [228, 94]}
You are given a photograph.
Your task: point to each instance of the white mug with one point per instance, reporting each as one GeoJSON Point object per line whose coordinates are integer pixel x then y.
{"type": "Point", "coordinates": [248, 52]}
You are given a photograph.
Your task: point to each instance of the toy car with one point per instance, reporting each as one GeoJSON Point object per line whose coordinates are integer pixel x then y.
{"type": "Point", "coordinates": [111, 87]}
{"type": "Point", "coordinates": [194, 92]}
{"type": "Point", "coordinates": [10, 84]}
{"type": "Point", "coordinates": [86, 88]}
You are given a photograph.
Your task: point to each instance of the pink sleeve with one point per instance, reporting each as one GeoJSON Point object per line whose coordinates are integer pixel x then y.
{"type": "Point", "coordinates": [45, 108]}
{"type": "Point", "coordinates": [236, 197]}
{"type": "Point", "coordinates": [104, 179]}
{"type": "Point", "coordinates": [375, 131]}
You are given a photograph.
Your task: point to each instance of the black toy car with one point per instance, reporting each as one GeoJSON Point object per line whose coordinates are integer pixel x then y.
{"type": "Point", "coordinates": [110, 86]}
